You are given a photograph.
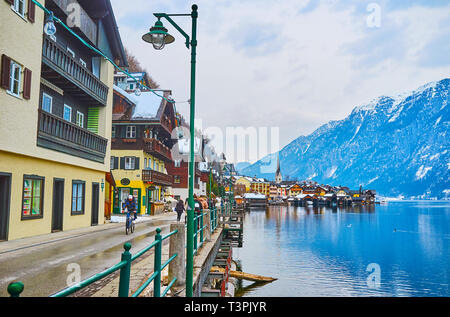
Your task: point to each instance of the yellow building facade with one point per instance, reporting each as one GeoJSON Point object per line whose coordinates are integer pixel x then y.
{"type": "Point", "coordinates": [244, 181]}
{"type": "Point", "coordinates": [50, 180]}
{"type": "Point", "coordinates": [260, 187]}
{"type": "Point", "coordinates": [131, 181]}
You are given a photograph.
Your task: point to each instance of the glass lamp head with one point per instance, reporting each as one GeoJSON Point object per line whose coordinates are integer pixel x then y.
{"type": "Point", "coordinates": [49, 27]}
{"type": "Point", "coordinates": [158, 36]}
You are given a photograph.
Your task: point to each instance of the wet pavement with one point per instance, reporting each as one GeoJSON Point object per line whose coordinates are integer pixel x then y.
{"type": "Point", "coordinates": [45, 268]}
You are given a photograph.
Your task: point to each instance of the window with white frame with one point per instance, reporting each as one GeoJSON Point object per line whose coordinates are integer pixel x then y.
{"type": "Point", "coordinates": [19, 7]}
{"type": "Point", "coordinates": [129, 163]}
{"type": "Point", "coordinates": [47, 102]}
{"type": "Point", "coordinates": [67, 115]}
{"type": "Point", "coordinates": [80, 119]}
{"type": "Point", "coordinates": [177, 163]}
{"type": "Point", "coordinates": [83, 63]}
{"type": "Point", "coordinates": [78, 191]}
{"type": "Point", "coordinates": [15, 78]}
{"type": "Point", "coordinates": [131, 132]}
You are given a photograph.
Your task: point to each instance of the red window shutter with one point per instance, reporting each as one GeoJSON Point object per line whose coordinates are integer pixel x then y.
{"type": "Point", "coordinates": [6, 71]}
{"type": "Point", "coordinates": [31, 10]}
{"type": "Point", "coordinates": [27, 84]}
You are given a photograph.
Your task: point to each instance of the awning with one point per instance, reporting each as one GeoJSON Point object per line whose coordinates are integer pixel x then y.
{"type": "Point", "coordinates": [110, 179]}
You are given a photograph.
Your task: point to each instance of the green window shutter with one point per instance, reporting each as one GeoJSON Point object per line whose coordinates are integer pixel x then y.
{"type": "Point", "coordinates": [93, 116]}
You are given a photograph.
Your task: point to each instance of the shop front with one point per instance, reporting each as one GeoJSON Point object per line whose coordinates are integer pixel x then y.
{"type": "Point", "coordinates": [126, 188]}
{"type": "Point", "coordinates": [155, 202]}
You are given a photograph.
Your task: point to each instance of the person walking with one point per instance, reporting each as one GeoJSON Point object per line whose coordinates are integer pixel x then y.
{"type": "Point", "coordinates": [179, 208]}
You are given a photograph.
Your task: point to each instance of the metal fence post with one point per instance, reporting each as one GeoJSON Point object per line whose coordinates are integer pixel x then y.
{"type": "Point", "coordinates": [195, 233]}
{"type": "Point", "coordinates": [157, 264]}
{"type": "Point", "coordinates": [207, 233]}
{"type": "Point", "coordinates": [201, 227]}
{"type": "Point", "coordinates": [15, 288]}
{"type": "Point", "coordinates": [124, 280]}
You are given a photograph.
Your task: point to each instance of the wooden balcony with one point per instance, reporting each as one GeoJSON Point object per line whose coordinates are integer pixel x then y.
{"type": "Point", "coordinates": [61, 69]}
{"type": "Point", "coordinates": [157, 149]}
{"type": "Point", "coordinates": [60, 135]}
{"type": "Point", "coordinates": [157, 178]}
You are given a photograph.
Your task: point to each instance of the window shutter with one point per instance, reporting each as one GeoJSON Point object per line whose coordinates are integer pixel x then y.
{"type": "Point", "coordinates": [116, 163]}
{"type": "Point", "coordinates": [31, 10]}
{"type": "Point", "coordinates": [122, 163]}
{"type": "Point", "coordinates": [136, 163]}
{"type": "Point", "coordinates": [11, 2]}
{"type": "Point", "coordinates": [92, 121]}
{"type": "Point", "coordinates": [27, 84]}
{"type": "Point", "coordinates": [6, 71]}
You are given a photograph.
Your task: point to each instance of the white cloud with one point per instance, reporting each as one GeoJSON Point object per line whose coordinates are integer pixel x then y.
{"type": "Point", "coordinates": [268, 63]}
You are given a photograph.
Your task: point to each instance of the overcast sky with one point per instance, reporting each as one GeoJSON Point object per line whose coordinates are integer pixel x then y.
{"type": "Point", "coordinates": [291, 64]}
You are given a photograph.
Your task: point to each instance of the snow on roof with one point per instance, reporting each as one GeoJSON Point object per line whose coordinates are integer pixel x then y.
{"type": "Point", "coordinates": [147, 105]}
{"type": "Point", "coordinates": [301, 196]}
{"type": "Point", "coordinates": [254, 196]}
{"type": "Point", "coordinates": [127, 95]}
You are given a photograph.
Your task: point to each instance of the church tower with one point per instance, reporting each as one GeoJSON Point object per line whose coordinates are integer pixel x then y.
{"type": "Point", "coordinates": [278, 177]}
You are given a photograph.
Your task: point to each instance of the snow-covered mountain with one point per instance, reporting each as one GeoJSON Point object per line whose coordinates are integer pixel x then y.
{"type": "Point", "coordinates": [239, 167]}
{"type": "Point", "coordinates": [398, 146]}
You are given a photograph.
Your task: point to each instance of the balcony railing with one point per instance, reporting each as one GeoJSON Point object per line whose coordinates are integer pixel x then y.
{"type": "Point", "coordinates": [157, 177]}
{"type": "Point", "coordinates": [61, 135]}
{"type": "Point", "coordinates": [156, 148]}
{"type": "Point", "coordinates": [57, 58]}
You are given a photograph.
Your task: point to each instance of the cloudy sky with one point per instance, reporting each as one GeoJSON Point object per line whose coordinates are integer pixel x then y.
{"type": "Point", "coordinates": [291, 65]}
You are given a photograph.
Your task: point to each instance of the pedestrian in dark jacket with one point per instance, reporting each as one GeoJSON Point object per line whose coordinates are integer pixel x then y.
{"type": "Point", "coordinates": [179, 208]}
{"type": "Point", "coordinates": [131, 206]}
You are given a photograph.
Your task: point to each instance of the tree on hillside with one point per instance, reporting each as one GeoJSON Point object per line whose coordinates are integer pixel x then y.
{"type": "Point", "coordinates": [135, 66]}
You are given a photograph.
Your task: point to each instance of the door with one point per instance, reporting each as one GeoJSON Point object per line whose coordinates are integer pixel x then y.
{"type": "Point", "coordinates": [58, 205]}
{"type": "Point", "coordinates": [5, 198]}
{"type": "Point", "coordinates": [95, 204]}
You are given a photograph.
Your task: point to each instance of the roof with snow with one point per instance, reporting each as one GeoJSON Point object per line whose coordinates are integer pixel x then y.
{"type": "Point", "coordinates": [148, 105]}
{"type": "Point", "coordinates": [254, 196]}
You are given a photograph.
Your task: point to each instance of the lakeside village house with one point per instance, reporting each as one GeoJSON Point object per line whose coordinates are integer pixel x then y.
{"type": "Point", "coordinates": [141, 155]}
{"type": "Point", "coordinates": [301, 193]}
{"type": "Point", "coordinates": [75, 139]}
{"type": "Point", "coordinates": [56, 101]}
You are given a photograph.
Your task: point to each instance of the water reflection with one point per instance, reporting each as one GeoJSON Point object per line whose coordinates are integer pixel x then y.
{"type": "Point", "coordinates": [324, 251]}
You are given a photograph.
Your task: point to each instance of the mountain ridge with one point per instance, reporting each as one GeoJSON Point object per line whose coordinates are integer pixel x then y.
{"type": "Point", "coordinates": [397, 145]}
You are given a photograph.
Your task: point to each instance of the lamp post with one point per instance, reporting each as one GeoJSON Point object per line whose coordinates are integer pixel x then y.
{"type": "Point", "coordinates": [159, 37]}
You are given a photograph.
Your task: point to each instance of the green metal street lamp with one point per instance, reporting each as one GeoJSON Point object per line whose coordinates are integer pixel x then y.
{"type": "Point", "coordinates": [159, 37]}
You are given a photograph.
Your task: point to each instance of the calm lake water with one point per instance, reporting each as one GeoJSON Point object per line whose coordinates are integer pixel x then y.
{"type": "Point", "coordinates": [397, 249]}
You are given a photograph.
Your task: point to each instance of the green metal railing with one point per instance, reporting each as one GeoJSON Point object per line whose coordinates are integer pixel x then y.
{"type": "Point", "coordinates": [214, 219]}
{"type": "Point", "coordinates": [200, 226]}
{"type": "Point", "coordinates": [16, 288]}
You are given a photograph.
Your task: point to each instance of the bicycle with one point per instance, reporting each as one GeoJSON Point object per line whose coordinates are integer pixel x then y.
{"type": "Point", "coordinates": [129, 223]}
